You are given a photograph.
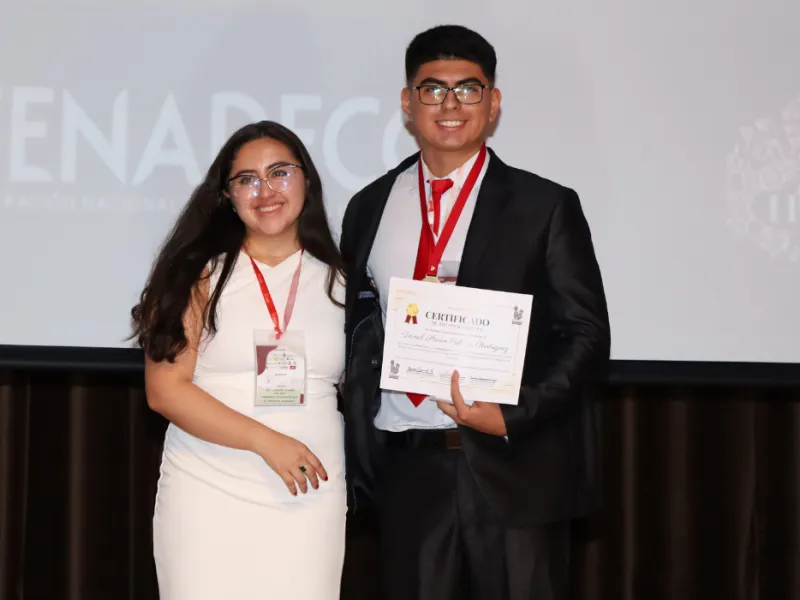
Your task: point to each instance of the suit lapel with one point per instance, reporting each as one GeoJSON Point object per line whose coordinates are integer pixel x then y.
{"type": "Point", "coordinates": [374, 203]}
{"type": "Point", "coordinates": [493, 197]}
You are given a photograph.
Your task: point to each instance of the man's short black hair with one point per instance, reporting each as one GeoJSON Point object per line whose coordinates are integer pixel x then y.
{"type": "Point", "coordinates": [450, 42]}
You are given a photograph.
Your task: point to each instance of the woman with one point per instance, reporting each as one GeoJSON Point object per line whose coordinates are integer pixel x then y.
{"type": "Point", "coordinates": [251, 501]}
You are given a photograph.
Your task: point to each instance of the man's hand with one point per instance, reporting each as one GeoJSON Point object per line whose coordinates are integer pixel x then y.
{"type": "Point", "coordinates": [481, 416]}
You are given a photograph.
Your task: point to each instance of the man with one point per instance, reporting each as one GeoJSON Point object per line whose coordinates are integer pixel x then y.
{"type": "Point", "coordinates": [474, 500]}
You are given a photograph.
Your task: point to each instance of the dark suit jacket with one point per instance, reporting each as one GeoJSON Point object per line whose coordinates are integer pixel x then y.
{"type": "Point", "coordinates": [527, 235]}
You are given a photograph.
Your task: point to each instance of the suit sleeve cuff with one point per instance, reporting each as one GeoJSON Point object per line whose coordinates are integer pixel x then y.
{"type": "Point", "coordinates": [518, 419]}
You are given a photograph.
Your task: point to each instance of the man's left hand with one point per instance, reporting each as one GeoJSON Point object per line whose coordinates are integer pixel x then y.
{"type": "Point", "coordinates": [481, 416]}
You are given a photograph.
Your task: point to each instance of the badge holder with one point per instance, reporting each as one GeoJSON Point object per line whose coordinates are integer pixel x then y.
{"type": "Point", "coordinates": [448, 271]}
{"type": "Point", "coordinates": [280, 368]}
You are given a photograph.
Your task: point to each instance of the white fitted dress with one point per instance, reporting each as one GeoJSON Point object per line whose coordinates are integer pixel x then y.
{"type": "Point", "coordinates": [225, 525]}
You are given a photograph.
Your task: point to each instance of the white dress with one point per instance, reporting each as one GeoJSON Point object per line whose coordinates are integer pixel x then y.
{"type": "Point", "coordinates": [225, 525]}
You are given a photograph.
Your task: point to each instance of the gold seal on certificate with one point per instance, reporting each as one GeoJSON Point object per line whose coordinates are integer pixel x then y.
{"type": "Point", "coordinates": [481, 333]}
{"type": "Point", "coordinates": [412, 310]}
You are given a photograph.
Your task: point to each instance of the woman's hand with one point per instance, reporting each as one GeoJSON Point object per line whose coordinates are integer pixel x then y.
{"type": "Point", "coordinates": [292, 461]}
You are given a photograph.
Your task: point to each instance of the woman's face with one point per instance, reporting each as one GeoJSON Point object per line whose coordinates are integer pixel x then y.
{"type": "Point", "coordinates": [267, 188]}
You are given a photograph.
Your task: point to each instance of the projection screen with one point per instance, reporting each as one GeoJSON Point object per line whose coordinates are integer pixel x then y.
{"type": "Point", "coordinates": [677, 123]}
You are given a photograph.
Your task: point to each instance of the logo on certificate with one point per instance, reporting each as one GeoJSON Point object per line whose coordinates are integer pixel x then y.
{"type": "Point", "coordinates": [518, 313]}
{"type": "Point", "coordinates": [394, 369]}
{"type": "Point", "coordinates": [412, 310]}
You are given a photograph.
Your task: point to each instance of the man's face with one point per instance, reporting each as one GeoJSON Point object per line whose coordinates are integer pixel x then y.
{"type": "Point", "coordinates": [451, 125]}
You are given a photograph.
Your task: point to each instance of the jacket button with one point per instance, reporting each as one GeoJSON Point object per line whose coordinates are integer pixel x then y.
{"type": "Point", "coordinates": [375, 362]}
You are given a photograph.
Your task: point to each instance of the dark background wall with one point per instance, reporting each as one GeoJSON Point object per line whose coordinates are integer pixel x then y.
{"type": "Point", "coordinates": [702, 489]}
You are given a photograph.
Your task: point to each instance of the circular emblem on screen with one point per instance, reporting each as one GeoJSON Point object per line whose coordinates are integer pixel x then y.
{"type": "Point", "coordinates": [763, 184]}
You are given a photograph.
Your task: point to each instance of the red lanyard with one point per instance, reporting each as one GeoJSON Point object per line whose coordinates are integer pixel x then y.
{"type": "Point", "coordinates": [287, 313]}
{"type": "Point", "coordinates": [429, 253]}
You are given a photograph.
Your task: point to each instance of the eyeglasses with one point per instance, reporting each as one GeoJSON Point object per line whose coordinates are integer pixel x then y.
{"type": "Point", "coordinates": [279, 179]}
{"type": "Point", "coordinates": [471, 93]}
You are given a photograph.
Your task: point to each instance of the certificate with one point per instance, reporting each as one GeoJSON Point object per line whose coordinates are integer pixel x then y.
{"type": "Point", "coordinates": [434, 329]}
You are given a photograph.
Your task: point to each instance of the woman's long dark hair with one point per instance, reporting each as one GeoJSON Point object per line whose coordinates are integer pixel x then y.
{"type": "Point", "coordinates": [208, 228]}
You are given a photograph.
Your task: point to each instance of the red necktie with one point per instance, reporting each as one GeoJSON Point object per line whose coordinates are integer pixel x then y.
{"type": "Point", "coordinates": [438, 187]}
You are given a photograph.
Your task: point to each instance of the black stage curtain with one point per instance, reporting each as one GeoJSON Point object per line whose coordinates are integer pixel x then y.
{"type": "Point", "coordinates": [702, 489]}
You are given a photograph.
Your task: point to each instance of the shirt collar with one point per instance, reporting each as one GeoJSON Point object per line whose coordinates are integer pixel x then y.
{"type": "Point", "coordinates": [458, 175]}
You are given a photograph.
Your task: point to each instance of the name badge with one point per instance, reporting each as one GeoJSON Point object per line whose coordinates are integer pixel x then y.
{"type": "Point", "coordinates": [447, 273]}
{"type": "Point", "coordinates": [280, 368]}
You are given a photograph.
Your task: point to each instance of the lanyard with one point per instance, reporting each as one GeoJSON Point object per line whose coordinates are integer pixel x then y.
{"type": "Point", "coordinates": [429, 253]}
{"type": "Point", "coordinates": [287, 313]}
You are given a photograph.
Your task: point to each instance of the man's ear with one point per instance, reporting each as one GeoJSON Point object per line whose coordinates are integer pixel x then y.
{"type": "Point", "coordinates": [405, 101]}
{"type": "Point", "coordinates": [497, 98]}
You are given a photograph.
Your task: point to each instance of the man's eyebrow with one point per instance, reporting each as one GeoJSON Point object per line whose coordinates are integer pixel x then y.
{"type": "Point", "coordinates": [434, 81]}
{"type": "Point", "coordinates": [470, 80]}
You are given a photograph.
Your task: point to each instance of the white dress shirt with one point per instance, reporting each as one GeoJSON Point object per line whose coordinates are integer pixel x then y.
{"type": "Point", "coordinates": [394, 254]}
